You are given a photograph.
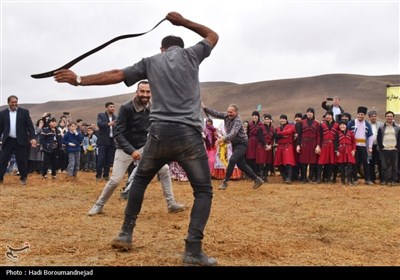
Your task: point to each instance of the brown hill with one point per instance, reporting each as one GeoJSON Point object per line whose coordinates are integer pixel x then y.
{"type": "Point", "coordinates": [276, 97]}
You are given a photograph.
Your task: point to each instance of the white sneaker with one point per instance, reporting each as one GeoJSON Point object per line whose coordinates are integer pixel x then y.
{"type": "Point", "coordinates": [96, 209]}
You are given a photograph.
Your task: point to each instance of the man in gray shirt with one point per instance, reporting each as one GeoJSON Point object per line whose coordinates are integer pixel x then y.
{"type": "Point", "coordinates": [176, 126]}
{"type": "Point", "coordinates": [235, 135]}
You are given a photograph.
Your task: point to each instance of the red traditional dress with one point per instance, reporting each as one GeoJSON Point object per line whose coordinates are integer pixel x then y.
{"type": "Point", "coordinates": [253, 140]}
{"type": "Point", "coordinates": [267, 134]}
{"type": "Point", "coordinates": [284, 154]}
{"type": "Point", "coordinates": [329, 132]}
{"type": "Point", "coordinates": [345, 143]}
{"type": "Point", "coordinates": [308, 141]}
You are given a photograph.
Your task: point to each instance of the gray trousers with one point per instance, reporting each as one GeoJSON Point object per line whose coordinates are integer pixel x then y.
{"type": "Point", "coordinates": [121, 163]}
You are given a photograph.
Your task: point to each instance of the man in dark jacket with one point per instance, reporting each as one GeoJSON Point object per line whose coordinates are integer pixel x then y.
{"type": "Point", "coordinates": [17, 131]}
{"type": "Point", "coordinates": [335, 108]}
{"type": "Point", "coordinates": [130, 135]}
{"type": "Point", "coordinates": [105, 141]}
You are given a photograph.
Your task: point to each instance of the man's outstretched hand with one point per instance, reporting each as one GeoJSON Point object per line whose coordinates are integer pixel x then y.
{"type": "Point", "coordinates": [65, 76]}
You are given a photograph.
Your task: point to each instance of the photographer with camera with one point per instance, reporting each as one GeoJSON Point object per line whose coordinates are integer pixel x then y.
{"type": "Point", "coordinates": [334, 107]}
{"type": "Point", "coordinates": [46, 119]}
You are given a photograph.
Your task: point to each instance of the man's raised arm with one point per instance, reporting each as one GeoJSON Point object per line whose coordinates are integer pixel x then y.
{"type": "Point", "coordinates": [205, 32]}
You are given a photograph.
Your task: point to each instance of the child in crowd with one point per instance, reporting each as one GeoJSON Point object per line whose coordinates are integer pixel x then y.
{"type": "Point", "coordinates": [50, 145]}
{"type": "Point", "coordinates": [89, 149]}
{"type": "Point", "coordinates": [345, 149]}
{"type": "Point", "coordinates": [72, 140]}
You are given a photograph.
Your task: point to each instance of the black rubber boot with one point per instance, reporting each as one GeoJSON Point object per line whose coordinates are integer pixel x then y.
{"type": "Point", "coordinates": [289, 174]}
{"type": "Point", "coordinates": [303, 168]}
{"type": "Point", "coordinates": [319, 174]}
{"type": "Point", "coordinates": [194, 255]}
{"type": "Point", "coordinates": [261, 167]}
{"type": "Point", "coordinates": [349, 174]}
{"type": "Point", "coordinates": [123, 241]}
{"type": "Point", "coordinates": [343, 174]}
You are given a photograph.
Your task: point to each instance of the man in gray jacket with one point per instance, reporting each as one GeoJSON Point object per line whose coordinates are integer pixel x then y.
{"type": "Point", "coordinates": [388, 139]}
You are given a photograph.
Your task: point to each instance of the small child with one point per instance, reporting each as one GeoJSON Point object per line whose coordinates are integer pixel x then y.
{"type": "Point", "coordinates": [50, 145]}
{"type": "Point", "coordinates": [89, 149]}
{"type": "Point", "coordinates": [72, 140]}
{"type": "Point", "coordinates": [345, 149]}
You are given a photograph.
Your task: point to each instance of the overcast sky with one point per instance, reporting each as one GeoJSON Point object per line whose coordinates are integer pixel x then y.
{"type": "Point", "coordinates": [259, 40]}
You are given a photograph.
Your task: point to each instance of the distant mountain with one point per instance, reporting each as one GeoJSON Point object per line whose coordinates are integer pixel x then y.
{"type": "Point", "coordinates": [286, 96]}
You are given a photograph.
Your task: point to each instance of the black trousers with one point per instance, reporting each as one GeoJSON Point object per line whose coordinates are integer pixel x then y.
{"type": "Point", "coordinates": [168, 141]}
{"type": "Point", "coordinates": [21, 155]}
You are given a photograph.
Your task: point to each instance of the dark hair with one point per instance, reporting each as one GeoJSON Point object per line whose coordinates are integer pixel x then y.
{"type": "Point", "coordinates": [145, 82]}
{"type": "Point", "coordinates": [311, 110]}
{"type": "Point", "coordinates": [389, 112]}
{"type": "Point", "coordinates": [348, 115]}
{"type": "Point", "coordinates": [256, 113]}
{"type": "Point", "coordinates": [268, 116]}
{"type": "Point", "coordinates": [108, 104]}
{"type": "Point", "coordinates": [170, 41]}
{"type": "Point", "coordinates": [10, 97]}
{"type": "Point", "coordinates": [78, 120]}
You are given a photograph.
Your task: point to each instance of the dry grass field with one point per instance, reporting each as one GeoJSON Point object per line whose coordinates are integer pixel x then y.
{"type": "Point", "coordinates": [276, 225]}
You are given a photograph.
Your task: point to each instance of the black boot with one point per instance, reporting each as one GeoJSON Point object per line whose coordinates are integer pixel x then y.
{"type": "Point", "coordinates": [349, 175]}
{"type": "Point", "coordinates": [319, 174]}
{"type": "Point", "coordinates": [289, 178]}
{"type": "Point", "coordinates": [343, 174]}
{"type": "Point", "coordinates": [124, 239]}
{"type": "Point", "coordinates": [261, 167]}
{"type": "Point", "coordinates": [194, 254]}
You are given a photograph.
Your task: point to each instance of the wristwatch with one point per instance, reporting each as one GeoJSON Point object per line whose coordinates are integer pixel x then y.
{"type": "Point", "coordinates": [78, 80]}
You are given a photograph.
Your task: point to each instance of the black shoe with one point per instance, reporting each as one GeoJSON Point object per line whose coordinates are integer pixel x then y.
{"type": "Point", "coordinates": [124, 195]}
{"type": "Point", "coordinates": [23, 181]}
{"type": "Point", "coordinates": [223, 186]}
{"type": "Point", "coordinates": [257, 183]}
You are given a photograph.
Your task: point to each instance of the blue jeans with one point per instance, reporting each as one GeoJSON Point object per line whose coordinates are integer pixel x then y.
{"type": "Point", "coordinates": [169, 141]}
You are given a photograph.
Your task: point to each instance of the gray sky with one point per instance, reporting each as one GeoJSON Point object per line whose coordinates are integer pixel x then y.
{"type": "Point", "coordinates": [259, 40]}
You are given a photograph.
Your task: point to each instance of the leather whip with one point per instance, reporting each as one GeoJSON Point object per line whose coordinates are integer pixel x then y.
{"type": "Point", "coordinates": [76, 60]}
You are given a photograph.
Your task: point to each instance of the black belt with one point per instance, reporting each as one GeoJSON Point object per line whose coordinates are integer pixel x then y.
{"type": "Point", "coordinates": [76, 60]}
